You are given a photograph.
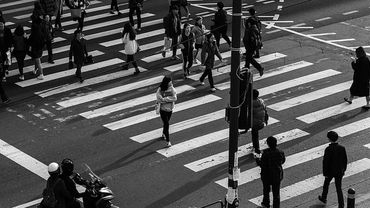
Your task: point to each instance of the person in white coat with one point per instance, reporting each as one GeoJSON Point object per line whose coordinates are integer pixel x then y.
{"type": "Point", "coordinates": [131, 46]}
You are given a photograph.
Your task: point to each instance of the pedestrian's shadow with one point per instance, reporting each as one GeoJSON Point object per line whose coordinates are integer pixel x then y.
{"type": "Point", "coordinates": [317, 206]}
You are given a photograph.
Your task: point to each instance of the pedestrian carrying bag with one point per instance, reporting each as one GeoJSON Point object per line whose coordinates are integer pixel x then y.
{"type": "Point", "coordinates": [76, 13]}
{"type": "Point", "coordinates": [8, 59]}
{"type": "Point", "coordinates": [167, 44]}
{"type": "Point", "coordinates": [157, 107]}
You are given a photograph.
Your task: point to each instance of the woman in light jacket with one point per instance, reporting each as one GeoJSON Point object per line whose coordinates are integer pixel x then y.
{"type": "Point", "coordinates": [198, 30]}
{"type": "Point", "coordinates": [130, 45]}
{"type": "Point", "coordinates": [259, 119]}
{"type": "Point", "coordinates": [166, 96]}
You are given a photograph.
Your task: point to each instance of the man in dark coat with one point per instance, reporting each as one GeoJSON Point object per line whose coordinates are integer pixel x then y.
{"type": "Point", "coordinates": [334, 166]}
{"type": "Point", "coordinates": [271, 172]}
{"type": "Point", "coordinates": [361, 78]}
{"type": "Point", "coordinates": [135, 6]}
{"type": "Point", "coordinates": [251, 42]}
{"type": "Point", "coordinates": [172, 27]}
{"type": "Point", "coordinates": [49, 7]}
{"type": "Point", "coordinates": [220, 24]}
{"type": "Point", "coordinates": [254, 20]}
{"type": "Point", "coordinates": [79, 52]}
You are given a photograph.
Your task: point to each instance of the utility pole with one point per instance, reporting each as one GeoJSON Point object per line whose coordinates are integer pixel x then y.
{"type": "Point", "coordinates": [233, 170]}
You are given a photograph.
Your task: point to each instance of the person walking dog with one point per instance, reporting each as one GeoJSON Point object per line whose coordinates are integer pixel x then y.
{"type": "Point", "coordinates": [135, 6]}
{"type": "Point", "coordinates": [334, 166]}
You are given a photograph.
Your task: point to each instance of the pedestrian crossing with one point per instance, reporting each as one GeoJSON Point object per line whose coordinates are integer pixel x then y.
{"type": "Point", "coordinates": [283, 76]}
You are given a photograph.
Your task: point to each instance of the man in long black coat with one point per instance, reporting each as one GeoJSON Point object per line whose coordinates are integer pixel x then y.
{"type": "Point", "coordinates": [334, 166]}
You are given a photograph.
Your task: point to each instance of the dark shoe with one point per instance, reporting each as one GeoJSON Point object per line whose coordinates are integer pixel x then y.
{"type": "Point", "coordinates": [347, 100]}
{"type": "Point", "coordinates": [175, 58]}
{"type": "Point", "coordinates": [366, 107]}
{"type": "Point", "coordinates": [256, 56]}
{"type": "Point", "coordinates": [112, 12]}
{"type": "Point", "coordinates": [322, 199]}
{"type": "Point", "coordinates": [119, 13]}
{"type": "Point", "coordinates": [261, 71]}
{"type": "Point", "coordinates": [51, 62]}
{"type": "Point", "coordinates": [136, 72]}
{"type": "Point", "coordinates": [81, 79]}
{"type": "Point", "coordinates": [7, 72]}
{"type": "Point", "coordinates": [164, 54]}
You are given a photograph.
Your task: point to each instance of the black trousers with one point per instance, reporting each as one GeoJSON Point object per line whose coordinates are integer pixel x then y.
{"type": "Point", "coordinates": [130, 59]}
{"type": "Point", "coordinates": [250, 60]}
{"type": "Point", "coordinates": [114, 5]}
{"type": "Point", "coordinates": [81, 21]}
{"type": "Point", "coordinates": [78, 71]}
{"type": "Point", "coordinates": [187, 61]}
{"type": "Point", "coordinates": [49, 47]}
{"type": "Point", "coordinates": [58, 22]}
{"type": "Point", "coordinates": [223, 33]}
{"type": "Point", "coordinates": [267, 185]}
{"type": "Point", "coordinates": [138, 14]}
{"type": "Point", "coordinates": [207, 72]}
{"type": "Point", "coordinates": [166, 116]}
{"type": "Point", "coordinates": [20, 56]}
{"type": "Point", "coordinates": [255, 141]}
{"type": "Point", "coordinates": [175, 41]}
{"type": "Point", "coordinates": [2, 93]}
{"type": "Point", "coordinates": [338, 186]}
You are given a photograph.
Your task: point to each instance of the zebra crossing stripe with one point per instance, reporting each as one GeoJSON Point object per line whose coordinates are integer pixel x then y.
{"type": "Point", "coordinates": [110, 92]}
{"type": "Point", "coordinates": [138, 37]}
{"type": "Point", "coordinates": [70, 72]}
{"type": "Point", "coordinates": [367, 145]}
{"type": "Point", "coordinates": [291, 161]}
{"type": "Point", "coordinates": [180, 126]}
{"type": "Point", "coordinates": [87, 82]}
{"type": "Point", "coordinates": [283, 105]}
{"type": "Point", "coordinates": [316, 182]}
{"type": "Point", "coordinates": [62, 61]}
{"type": "Point", "coordinates": [331, 111]}
{"type": "Point", "coordinates": [353, 127]}
{"type": "Point", "coordinates": [148, 46]}
{"type": "Point", "coordinates": [13, 3]}
{"type": "Point", "coordinates": [151, 115]}
{"type": "Point", "coordinates": [104, 24]}
{"type": "Point", "coordinates": [243, 150]}
{"type": "Point", "coordinates": [106, 110]}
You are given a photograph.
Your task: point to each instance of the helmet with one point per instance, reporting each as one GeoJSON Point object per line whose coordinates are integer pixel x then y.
{"type": "Point", "coordinates": [53, 168]}
{"type": "Point", "coordinates": [67, 166]}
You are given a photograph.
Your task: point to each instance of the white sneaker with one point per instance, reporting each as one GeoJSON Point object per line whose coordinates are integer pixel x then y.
{"type": "Point", "coordinates": [21, 77]}
{"type": "Point", "coordinates": [35, 70]}
{"type": "Point", "coordinates": [201, 83]}
{"type": "Point", "coordinates": [40, 77]}
{"type": "Point", "coordinates": [213, 89]}
{"type": "Point", "coordinates": [163, 137]}
{"type": "Point", "coordinates": [169, 144]}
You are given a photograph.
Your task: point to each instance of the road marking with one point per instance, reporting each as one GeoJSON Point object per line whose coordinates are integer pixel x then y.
{"type": "Point", "coordinates": [291, 161]}
{"type": "Point", "coordinates": [15, 3]}
{"type": "Point", "coordinates": [151, 115]}
{"type": "Point", "coordinates": [316, 182]}
{"type": "Point", "coordinates": [273, 31]}
{"type": "Point", "coordinates": [320, 34]}
{"type": "Point", "coordinates": [110, 22]}
{"type": "Point", "coordinates": [70, 72]}
{"type": "Point", "coordinates": [323, 19]}
{"type": "Point", "coordinates": [106, 110]}
{"type": "Point", "coordinates": [268, 2]}
{"type": "Point", "coordinates": [180, 126]}
{"type": "Point", "coordinates": [331, 111]}
{"type": "Point", "coordinates": [353, 127]}
{"type": "Point", "coordinates": [350, 12]}
{"type": "Point", "coordinates": [46, 65]}
{"type": "Point", "coordinates": [367, 145]}
{"type": "Point", "coordinates": [87, 82]}
{"type": "Point", "coordinates": [299, 100]}
{"type": "Point", "coordinates": [341, 40]}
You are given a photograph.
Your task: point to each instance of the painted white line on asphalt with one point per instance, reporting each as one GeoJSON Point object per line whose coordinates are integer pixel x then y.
{"type": "Point", "coordinates": [138, 37]}
{"type": "Point", "coordinates": [350, 12]}
{"type": "Point", "coordinates": [180, 126]}
{"type": "Point", "coordinates": [279, 7]}
{"type": "Point", "coordinates": [354, 127]}
{"type": "Point", "coordinates": [62, 61]}
{"type": "Point", "coordinates": [151, 115]}
{"type": "Point", "coordinates": [106, 110]}
{"type": "Point", "coordinates": [291, 161]}
{"type": "Point", "coordinates": [341, 40]}
{"type": "Point", "coordinates": [283, 105]}
{"type": "Point", "coordinates": [323, 19]}
{"type": "Point", "coordinates": [15, 3]}
{"type": "Point", "coordinates": [30, 204]}
{"type": "Point", "coordinates": [367, 145]}
{"type": "Point", "coordinates": [273, 31]}
{"type": "Point", "coordinates": [331, 111]}
{"type": "Point", "coordinates": [269, 2]}
{"type": "Point", "coordinates": [110, 92]}
{"type": "Point", "coordinates": [87, 82]}
{"type": "Point", "coordinates": [148, 46]}
{"type": "Point", "coordinates": [69, 72]}
{"type": "Point", "coordinates": [320, 34]}
{"type": "Point", "coordinates": [108, 23]}
{"type": "Point", "coordinates": [315, 182]}
{"type": "Point", "coordinates": [243, 150]}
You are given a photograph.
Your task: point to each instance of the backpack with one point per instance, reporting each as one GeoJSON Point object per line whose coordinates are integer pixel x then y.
{"type": "Point", "coordinates": [48, 196]}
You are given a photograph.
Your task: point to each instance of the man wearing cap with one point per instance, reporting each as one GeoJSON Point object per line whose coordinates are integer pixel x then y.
{"type": "Point", "coordinates": [334, 166]}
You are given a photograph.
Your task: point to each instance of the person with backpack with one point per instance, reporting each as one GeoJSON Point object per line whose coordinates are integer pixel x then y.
{"type": "Point", "coordinates": [131, 46]}
{"type": "Point", "coordinates": [187, 48]}
{"type": "Point", "coordinates": [50, 197]}
{"type": "Point", "coordinates": [79, 52]}
{"type": "Point", "coordinates": [253, 19]}
{"type": "Point", "coordinates": [172, 26]}
{"type": "Point", "coordinates": [251, 42]}
{"type": "Point", "coordinates": [199, 30]}
{"type": "Point", "coordinates": [48, 32]}
{"type": "Point", "coordinates": [135, 6]}
{"type": "Point", "coordinates": [19, 48]}
{"type": "Point", "coordinates": [220, 24]}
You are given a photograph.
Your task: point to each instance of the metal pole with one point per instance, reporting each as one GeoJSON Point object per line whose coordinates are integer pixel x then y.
{"type": "Point", "coordinates": [351, 198]}
{"type": "Point", "coordinates": [233, 170]}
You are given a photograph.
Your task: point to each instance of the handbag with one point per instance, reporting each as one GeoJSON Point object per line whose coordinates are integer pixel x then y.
{"type": "Point", "coordinates": [8, 59]}
{"type": "Point", "coordinates": [157, 107]}
{"type": "Point", "coordinates": [89, 59]}
{"type": "Point", "coordinates": [76, 13]}
{"type": "Point", "coordinates": [167, 44]}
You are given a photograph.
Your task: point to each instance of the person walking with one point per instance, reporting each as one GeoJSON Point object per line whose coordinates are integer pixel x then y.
{"type": "Point", "coordinates": [48, 32]}
{"type": "Point", "coordinates": [334, 166]}
{"type": "Point", "coordinates": [4, 98]}
{"type": "Point", "coordinates": [253, 19]}
{"type": "Point", "coordinates": [49, 7]}
{"type": "Point", "coordinates": [172, 26]}
{"type": "Point", "coordinates": [166, 96]}
{"type": "Point", "coordinates": [251, 42]}
{"type": "Point", "coordinates": [131, 46]}
{"type": "Point", "coordinates": [361, 78]}
{"type": "Point", "coordinates": [179, 4]}
{"type": "Point", "coordinates": [36, 44]}
{"type": "Point", "coordinates": [199, 30]}
{"type": "Point", "coordinates": [272, 173]}
{"type": "Point", "coordinates": [259, 120]}
{"type": "Point", "coordinates": [37, 13]}
{"type": "Point", "coordinates": [58, 15]}
{"type": "Point", "coordinates": [79, 52]}
{"type": "Point", "coordinates": [19, 51]}
{"type": "Point", "coordinates": [6, 40]}
{"type": "Point", "coordinates": [79, 4]}
{"type": "Point", "coordinates": [114, 5]}
{"type": "Point", "coordinates": [135, 6]}
{"type": "Point", "coordinates": [187, 48]}
{"type": "Point", "coordinates": [210, 49]}
{"type": "Point", "coordinates": [220, 24]}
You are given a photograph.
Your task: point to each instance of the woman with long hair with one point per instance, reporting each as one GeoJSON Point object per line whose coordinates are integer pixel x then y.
{"type": "Point", "coordinates": [361, 78]}
{"type": "Point", "coordinates": [19, 51]}
{"type": "Point", "coordinates": [36, 42]}
{"type": "Point", "coordinates": [131, 46]}
{"type": "Point", "coordinates": [166, 96]}
{"type": "Point", "coordinates": [187, 48]}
